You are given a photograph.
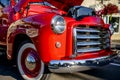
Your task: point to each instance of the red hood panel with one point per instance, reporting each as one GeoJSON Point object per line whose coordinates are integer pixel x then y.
{"type": "Point", "coordinates": [65, 4]}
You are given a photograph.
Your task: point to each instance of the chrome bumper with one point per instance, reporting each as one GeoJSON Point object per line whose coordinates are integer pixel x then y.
{"type": "Point", "coordinates": [69, 66]}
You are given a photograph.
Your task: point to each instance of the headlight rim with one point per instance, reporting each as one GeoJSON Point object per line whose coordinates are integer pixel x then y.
{"type": "Point", "coordinates": [54, 20]}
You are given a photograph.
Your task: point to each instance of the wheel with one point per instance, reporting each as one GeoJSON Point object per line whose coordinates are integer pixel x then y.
{"type": "Point", "coordinates": [29, 63]}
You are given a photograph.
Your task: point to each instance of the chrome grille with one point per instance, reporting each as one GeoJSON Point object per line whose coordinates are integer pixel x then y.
{"type": "Point", "coordinates": [90, 39]}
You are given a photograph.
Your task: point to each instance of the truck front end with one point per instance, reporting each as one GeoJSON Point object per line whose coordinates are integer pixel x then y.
{"type": "Point", "coordinates": [87, 42]}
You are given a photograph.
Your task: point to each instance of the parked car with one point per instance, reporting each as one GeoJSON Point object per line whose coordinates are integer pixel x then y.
{"type": "Point", "coordinates": [58, 35]}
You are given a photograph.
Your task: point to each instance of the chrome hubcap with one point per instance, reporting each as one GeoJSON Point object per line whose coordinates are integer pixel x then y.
{"type": "Point", "coordinates": [30, 62]}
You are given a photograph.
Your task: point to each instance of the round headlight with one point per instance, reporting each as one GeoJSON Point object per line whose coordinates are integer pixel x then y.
{"type": "Point", "coordinates": [58, 24]}
{"type": "Point", "coordinates": [111, 28]}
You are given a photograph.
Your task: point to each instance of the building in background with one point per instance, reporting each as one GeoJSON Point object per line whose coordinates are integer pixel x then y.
{"type": "Point", "coordinates": [115, 21]}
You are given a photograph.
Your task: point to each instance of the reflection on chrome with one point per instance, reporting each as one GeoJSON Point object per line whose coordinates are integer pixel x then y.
{"type": "Point", "coordinates": [30, 62]}
{"type": "Point", "coordinates": [68, 66]}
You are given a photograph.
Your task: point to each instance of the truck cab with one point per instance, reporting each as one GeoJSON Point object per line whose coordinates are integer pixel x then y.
{"type": "Point", "coordinates": [58, 35]}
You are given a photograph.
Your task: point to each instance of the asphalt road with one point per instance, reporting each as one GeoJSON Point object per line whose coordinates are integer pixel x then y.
{"type": "Point", "coordinates": [110, 72]}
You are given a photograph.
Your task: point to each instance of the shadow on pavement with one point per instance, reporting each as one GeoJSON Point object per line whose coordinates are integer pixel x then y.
{"type": "Point", "coordinates": [8, 71]}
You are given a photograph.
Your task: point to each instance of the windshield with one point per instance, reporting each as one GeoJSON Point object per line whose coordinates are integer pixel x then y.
{"type": "Point", "coordinates": [5, 3]}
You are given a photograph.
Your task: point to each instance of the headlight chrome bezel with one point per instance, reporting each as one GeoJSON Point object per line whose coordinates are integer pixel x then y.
{"type": "Point", "coordinates": [58, 24]}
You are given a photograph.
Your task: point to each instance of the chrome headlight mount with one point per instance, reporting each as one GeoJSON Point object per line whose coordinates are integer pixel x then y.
{"type": "Point", "coordinates": [58, 24]}
{"type": "Point", "coordinates": [111, 28]}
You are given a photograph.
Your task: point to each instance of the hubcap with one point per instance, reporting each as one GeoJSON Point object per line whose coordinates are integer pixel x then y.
{"type": "Point", "coordinates": [30, 62]}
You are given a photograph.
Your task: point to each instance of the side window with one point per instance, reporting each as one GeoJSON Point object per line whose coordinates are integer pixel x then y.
{"type": "Point", "coordinates": [5, 2]}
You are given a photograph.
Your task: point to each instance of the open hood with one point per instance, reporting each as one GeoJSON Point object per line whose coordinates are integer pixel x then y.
{"type": "Point", "coordinates": [65, 4]}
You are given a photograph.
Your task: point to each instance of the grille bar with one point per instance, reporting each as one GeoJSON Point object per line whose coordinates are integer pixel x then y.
{"type": "Point", "coordinates": [87, 43]}
{"type": "Point", "coordinates": [88, 30]}
{"type": "Point", "coordinates": [88, 50]}
{"type": "Point", "coordinates": [88, 37]}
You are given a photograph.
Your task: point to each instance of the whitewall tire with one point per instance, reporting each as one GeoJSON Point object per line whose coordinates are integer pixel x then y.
{"type": "Point", "coordinates": [29, 64]}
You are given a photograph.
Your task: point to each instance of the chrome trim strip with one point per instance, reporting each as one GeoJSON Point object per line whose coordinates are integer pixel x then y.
{"type": "Point", "coordinates": [74, 43]}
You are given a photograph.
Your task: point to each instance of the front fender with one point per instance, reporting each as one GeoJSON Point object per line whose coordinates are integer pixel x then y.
{"type": "Point", "coordinates": [38, 29]}
{"type": "Point", "coordinates": [47, 40]}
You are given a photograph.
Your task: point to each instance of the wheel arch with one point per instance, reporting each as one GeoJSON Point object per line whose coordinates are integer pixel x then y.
{"type": "Point", "coordinates": [19, 38]}
{"type": "Point", "coordinates": [18, 32]}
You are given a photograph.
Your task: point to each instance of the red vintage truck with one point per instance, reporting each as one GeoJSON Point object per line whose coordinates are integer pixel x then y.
{"type": "Point", "coordinates": [58, 35]}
